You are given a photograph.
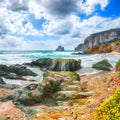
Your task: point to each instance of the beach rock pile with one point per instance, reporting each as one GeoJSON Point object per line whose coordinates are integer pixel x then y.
{"type": "Point", "coordinates": [103, 65]}
{"type": "Point", "coordinates": [15, 71]}
{"type": "Point", "coordinates": [57, 64]}
{"type": "Point", "coordinates": [52, 88]}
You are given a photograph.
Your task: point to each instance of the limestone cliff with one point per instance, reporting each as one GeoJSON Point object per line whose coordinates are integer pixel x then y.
{"type": "Point", "coordinates": [100, 38]}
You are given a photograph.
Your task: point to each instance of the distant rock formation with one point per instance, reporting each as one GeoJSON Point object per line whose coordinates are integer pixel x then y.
{"type": "Point", "coordinates": [99, 38]}
{"type": "Point", "coordinates": [60, 48]}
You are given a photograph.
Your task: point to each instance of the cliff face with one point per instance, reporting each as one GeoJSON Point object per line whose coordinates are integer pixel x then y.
{"type": "Point", "coordinates": [100, 38]}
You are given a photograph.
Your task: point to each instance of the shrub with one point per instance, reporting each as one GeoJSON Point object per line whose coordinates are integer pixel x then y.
{"type": "Point", "coordinates": [110, 109]}
{"type": "Point", "coordinates": [57, 88]}
{"type": "Point", "coordinates": [117, 66]}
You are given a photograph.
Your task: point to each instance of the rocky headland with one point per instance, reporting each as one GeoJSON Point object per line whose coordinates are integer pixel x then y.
{"type": "Point", "coordinates": [102, 42]}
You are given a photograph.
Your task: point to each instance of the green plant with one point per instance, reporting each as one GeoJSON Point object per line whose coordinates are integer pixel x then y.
{"type": "Point", "coordinates": [117, 66]}
{"type": "Point", "coordinates": [74, 76]}
{"type": "Point", "coordinates": [2, 119]}
{"type": "Point", "coordinates": [57, 88]}
{"type": "Point", "coordinates": [110, 108]}
{"type": "Point", "coordinates": [77, 101]}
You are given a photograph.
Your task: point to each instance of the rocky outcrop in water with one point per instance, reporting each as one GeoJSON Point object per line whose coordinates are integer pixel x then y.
{"type": "Point", "coordinates": [103, 65]}
{"type": "Point", "coordinates": [99, 38]}
{"type": "Point", "coordinates": [57, 64]}
{"type": "Point", "coordinates": [65, 65]}
{"type": "Point", "coordinates": [60, 48]}
{"type": "Point", "coordinates": [15, 71]}
{"type": "Point", "coordinates": [42, 63]}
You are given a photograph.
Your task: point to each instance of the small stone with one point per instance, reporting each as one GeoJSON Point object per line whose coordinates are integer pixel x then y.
{"type": "Point", "coordinates": [9, 117]}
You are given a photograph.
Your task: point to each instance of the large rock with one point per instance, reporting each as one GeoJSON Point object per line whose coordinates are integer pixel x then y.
{"type": "Point", "coordinates": [2, 81]}
{"type": "Point", "coordinates": [26, 96]}
{"type": "Point", "coordinates": [60, 48]}
{"type": "Point", "coordinates": [65, 65]}
{"type": "Point", "coordinates": [9, 86]}
{"type": "Point", "coordinates": [15, 71]}
{"type": "Point", "coordinates": [21, 70]}
{"type": "Point", "coordinates": [103, 65]}
{"type": "Point", "coordinates": [43, 63]}
{"type": "Point", "coordinates": [57, 64]}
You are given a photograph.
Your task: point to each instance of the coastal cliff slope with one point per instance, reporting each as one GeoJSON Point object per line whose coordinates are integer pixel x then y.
{"type": "Point", "coordinates": [99, 38]}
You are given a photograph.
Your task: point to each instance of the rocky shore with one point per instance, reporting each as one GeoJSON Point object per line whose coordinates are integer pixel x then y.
{"type": "Point", "coordinates": [60, 94]}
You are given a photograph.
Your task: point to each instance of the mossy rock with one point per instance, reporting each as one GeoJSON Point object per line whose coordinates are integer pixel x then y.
{"type": "Point", "coordinates": [65, 65]}
{"type": "Point", "coordinates": [103, 65]}
{"type": "Point", "coordinates": [30, 98]}
{"type": "Point", "coordinates": [43, 63]}
{"type": "Point", "coordinates": [117, 66]}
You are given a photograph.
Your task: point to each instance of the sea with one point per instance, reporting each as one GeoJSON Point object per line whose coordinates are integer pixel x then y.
{"type": "Point", "coordinates": [20, 57]}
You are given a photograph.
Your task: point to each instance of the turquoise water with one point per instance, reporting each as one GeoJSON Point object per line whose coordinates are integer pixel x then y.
{"type": "Point", "coordinates": [19, 57]}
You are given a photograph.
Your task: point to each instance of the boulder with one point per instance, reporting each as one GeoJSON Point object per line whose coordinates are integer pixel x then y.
{"type": "Point", "coordinates": [21, 70]}
{"type": "Point", "coordinates": [43, 63]}
{"type": "Point", "coordinates": [15, 71]}
{"type": "Point", "coordinates": [9, 86]}
{"type": "Point", "coordinates": [2, 81]}
{"type": "Point", "coordinates": [103, 65]}
{"type": "Point", "coordinates": [83, 94]}
{"type": "Point", "coordinates": [57, 64]}
{"type": "Point", "coordinates": [27, 96]}
{"type": "Point", "coordinates": [13, 76]}
{"type": "Point", "coordinates": [60, 48]}
{"type": "Point", "coordinates": [65, 65]}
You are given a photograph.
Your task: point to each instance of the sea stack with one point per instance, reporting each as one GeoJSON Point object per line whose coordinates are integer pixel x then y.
{"type": "Point", "coordinates": [60, 48]}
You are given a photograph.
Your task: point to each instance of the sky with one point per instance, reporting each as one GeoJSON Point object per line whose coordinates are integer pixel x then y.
{"type": "Point", "coordinates": [45, 24]}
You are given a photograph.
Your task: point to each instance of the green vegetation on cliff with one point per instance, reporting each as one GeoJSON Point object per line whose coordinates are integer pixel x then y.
{"type": "Point", "coordinates": [104, 48]}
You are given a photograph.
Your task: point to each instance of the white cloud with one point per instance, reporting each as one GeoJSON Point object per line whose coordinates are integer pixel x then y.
{"type": "Point", "coordinates": [61, 20]}
{"type": "Point", "coordinates": [90, 5]}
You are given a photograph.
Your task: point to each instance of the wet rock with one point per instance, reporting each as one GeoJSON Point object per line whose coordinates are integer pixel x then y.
{"type": "Point", "coordinates": [2, 81]}
{"type": "Point", "coordinates": [31, 86]}
{"type": "Point", "coordinates": [13, 76]}
{"type": "Point", "coordinates": [103, 65]}
{"type": "Point", "coordinates": [57, 64]}
{"type": "Point", "coordinates": [43, 63]}
{"type": "Point", "coordinates": [65, 65]}
{"type": "Point", "coordinates": [15, 71]}
{"type": "Point", "coordinates": [78, 53]}
{"type": "Point", "coordinates": [21, 70]}
{"type": "Point", "coordinates": [9, 86]}
{"type": "Point", "coordinates": [2, 73]}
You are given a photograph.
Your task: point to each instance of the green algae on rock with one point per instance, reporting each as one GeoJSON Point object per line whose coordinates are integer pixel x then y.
{"type": "Point", "coordinates": [103, 65]}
